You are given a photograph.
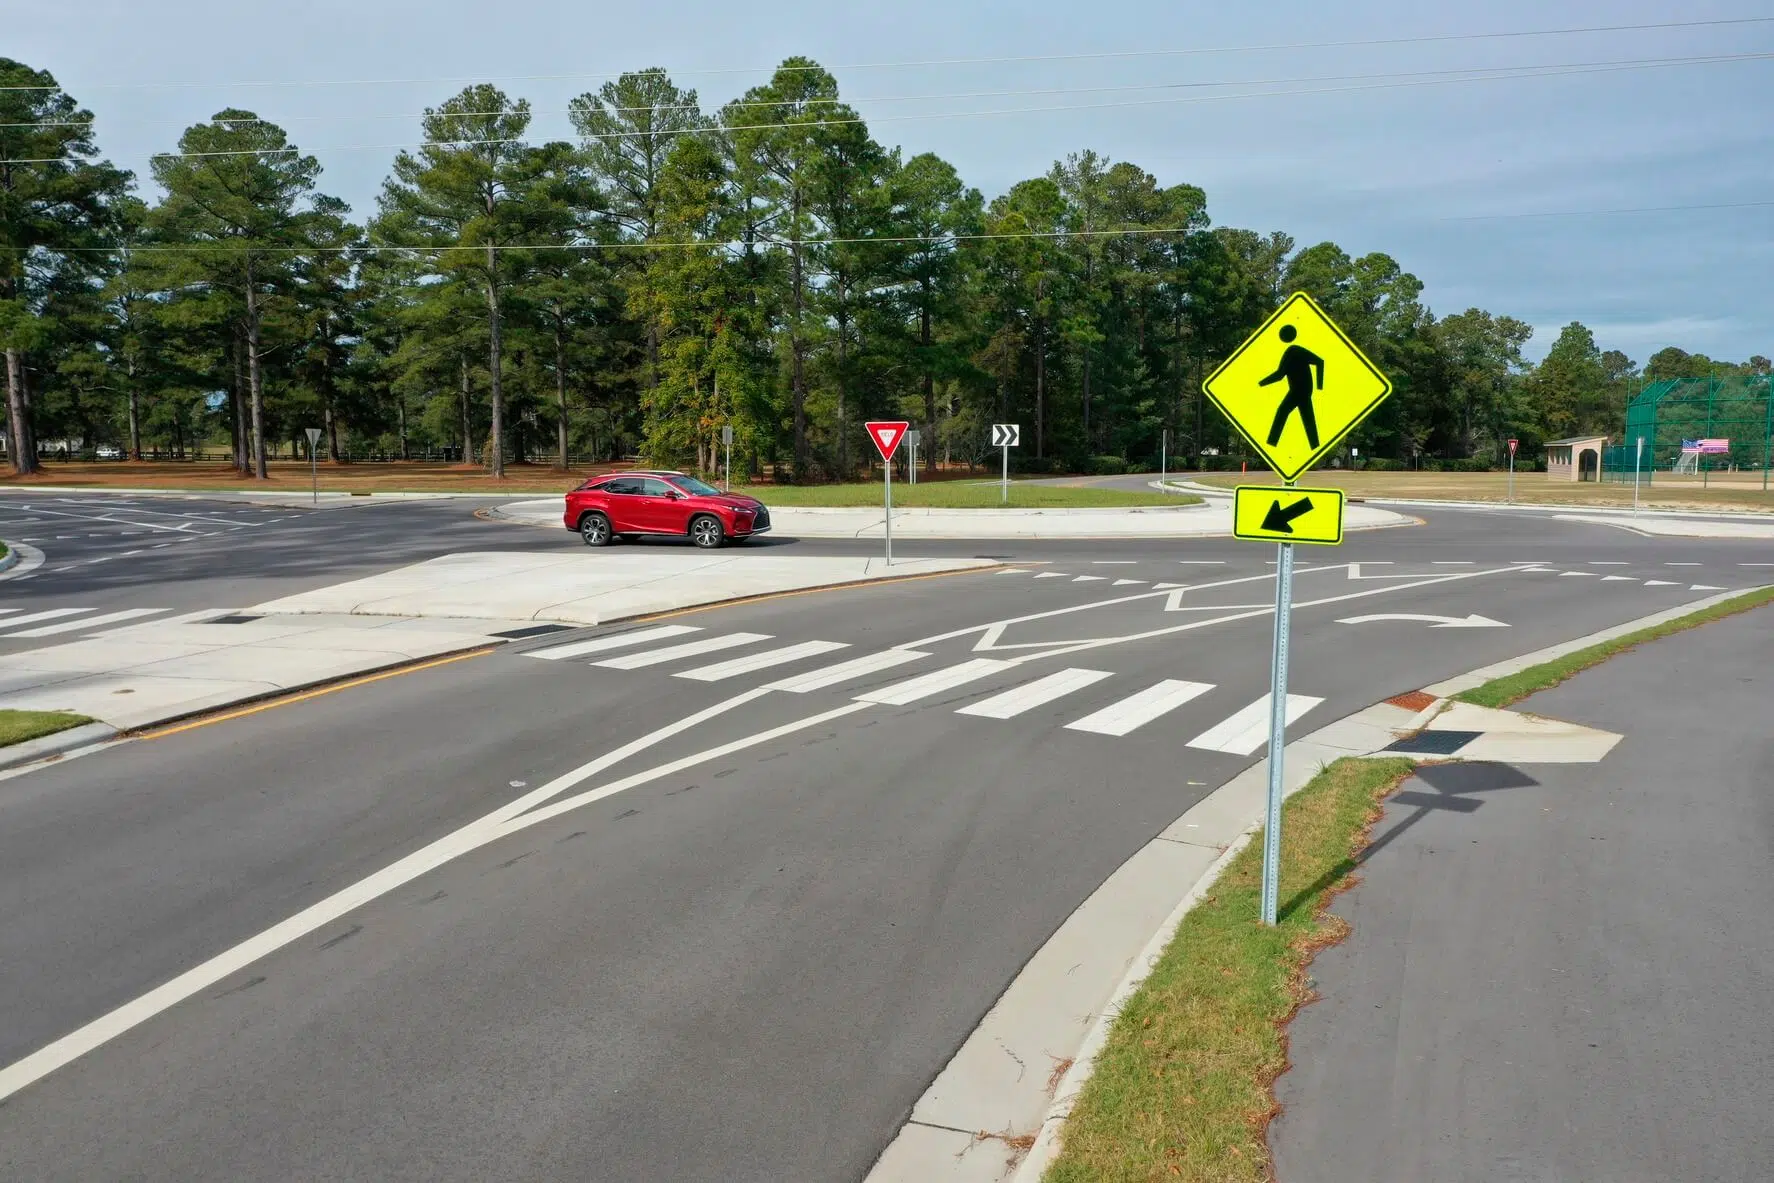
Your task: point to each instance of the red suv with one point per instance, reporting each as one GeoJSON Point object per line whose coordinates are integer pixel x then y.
{"type": "Point", "coordinates": [624, 505]}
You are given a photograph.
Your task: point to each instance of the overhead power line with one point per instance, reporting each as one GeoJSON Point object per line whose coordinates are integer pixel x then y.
{"type": "Point", "coordinates": [1501, 74]}
{"type": "Point", "coordinates": [1597, 213]}
{"type": "Point", "coordinates": [1107, 55]}
{"type": "Point", "coordinates": [1452, 73]}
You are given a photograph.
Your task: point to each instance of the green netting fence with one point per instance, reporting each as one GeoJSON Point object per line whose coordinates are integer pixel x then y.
{"type": "Point", "coordinates": [1674, 415]}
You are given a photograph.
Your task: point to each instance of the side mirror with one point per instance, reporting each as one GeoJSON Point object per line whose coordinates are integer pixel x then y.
{"type": "Point", "coordinates": [675, 495]}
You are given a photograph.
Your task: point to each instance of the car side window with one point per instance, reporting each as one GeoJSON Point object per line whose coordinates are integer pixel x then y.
{"type": "Point", "coordinates": [652, 487]}
{"type": "Point", "coordinates": [620, 485]}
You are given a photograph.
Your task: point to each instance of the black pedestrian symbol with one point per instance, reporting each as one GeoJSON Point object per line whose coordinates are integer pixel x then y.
{"type": "Point", "coordinates": [1298, 365]}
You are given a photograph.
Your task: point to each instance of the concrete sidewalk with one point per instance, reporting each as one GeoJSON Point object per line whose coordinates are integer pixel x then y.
{"type": "Point", "coordinates": [595, 587]}
{"type": "Point", "coordinates": [1213, 517]}
{"type": "Point", "coordinates": [1561, 973]}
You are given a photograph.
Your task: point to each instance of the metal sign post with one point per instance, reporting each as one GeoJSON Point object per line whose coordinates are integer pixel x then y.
{"type": "Point", "coordinates": [1006, 436]}
{"type": "Point", "coordinates": [1512, 447]}
{"type": "Point", "coordinates": [313, 470]}
{"type": "Point", "coordinates": [1163, 457]}
{"type": "Point", "coordinates": [887, 435]}
{"type": "Point", "coordinates": [911, 438]}
{"type": "Point", "coordinates": [1331, 386]}
{"type": "Point", "coordinates": [1284, 605]}
{"type": "Point", "coordinates": [727, 443]}
{"type": "Point", "coordinates": [1637, 456]}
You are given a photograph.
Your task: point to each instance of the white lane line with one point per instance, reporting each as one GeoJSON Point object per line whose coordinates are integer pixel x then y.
{"type": "Point", "coordinates": [1202, 562]}
{"type": "Point", "coordinates": [1608, 563]}
{"type": "Point", "coordinates": [501, 823]}
{"type": "Point", "coordinates": [1244, 732]}
{"type": "Point", "coordinates": [48, 614]}
{"type": "Point", "coordinates": [935, 682]}
{"type": "Point", "coordinates": [635, 661]}
{"type": "Point", "coordinates": [760, 661]}
{"type": "Point", "coordinates": [1136, 710]}
{"type": "Point", "coordinates": [605, 644]}
{"type": "Point", "coordinates": [1114, 562]}
{"type": "Point", "coordinates": [85, 622]}
{"type": "Point", "coordinates": [1739, 564]}
{"type": "Point", "coordinates": [1027, 697]}
{"type": "Point", "coordinates": [1452, 563]}
{"type": "Point", "coordinates": [847, 671]}
{"type": "Point", "coordinates": [1681, 564]}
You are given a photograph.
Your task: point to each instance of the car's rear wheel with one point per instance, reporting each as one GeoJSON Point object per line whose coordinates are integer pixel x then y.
{"type": "Point", "coordinates": [706, 531]}
{"type": "Point", "coordinates": [594, 529]}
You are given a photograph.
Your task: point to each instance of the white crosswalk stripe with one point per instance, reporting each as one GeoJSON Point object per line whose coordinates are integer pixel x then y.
{"type": "Point", "coordinates": [1136, 710]}
{"type": "Point", "coordinates": [1243, 732]}
{"type": "Point", "coordinates": [1030, 695]}
{"type": "Point", "coordinates": [848, 671]}
{"type": "Point", "coordinates": [924, 685]}
{"type": "Point", "coordinates": [769, 659]}
{"type": "Point", "coordinates": [33, 617]}
{"type": "Point", "coordinates": [86, 622]}
{"type": "Point", "coordinates": [605, 644]}
{"type": "Point", "coordinates": [635, 661]}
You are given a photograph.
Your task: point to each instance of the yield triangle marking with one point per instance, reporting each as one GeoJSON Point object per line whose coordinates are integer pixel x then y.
{"type": "Point", "coordinates": [1705, 587]}
{"type": "Point", "coordinates": [1568, 574]}
{"type": "Point", "coordinates": [1050, 575]}
{"type": "Point", "coordinates": [1088, 578]}
{"type": "Point", "coordinates": [1125, 582]}
{"type": "Point", "coordinates": [1614, 578]}
{"type": "Point", "coordinates": [1660, 583]}
{"type": "Point", "coordinates": [1168, 586]}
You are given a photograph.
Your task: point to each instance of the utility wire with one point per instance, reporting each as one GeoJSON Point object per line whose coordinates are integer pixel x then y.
{"type": "Point", "coordinates": [1596, 213]}
{"type": "Point", "coordinates": [1505, 74]}
{"type": "Point", "coordinates": [1450, 73]}
{"type": "Point", "coordinates": [1111, 55]}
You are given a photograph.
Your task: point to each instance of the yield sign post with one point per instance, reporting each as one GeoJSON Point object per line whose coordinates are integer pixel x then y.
{"type": "Point", "coordinates": [1295, 389]}
{"type": "Point", "coordinates": [886, 435]}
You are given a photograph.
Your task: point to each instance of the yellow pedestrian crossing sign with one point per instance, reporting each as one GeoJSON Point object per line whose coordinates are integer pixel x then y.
{"type": "Point", "coordinates": [1287, 513]}
{"type": "Point", "coordinates": [1297, 387]}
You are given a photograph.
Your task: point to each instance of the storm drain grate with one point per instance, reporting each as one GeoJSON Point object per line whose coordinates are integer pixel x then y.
{"type": "Point", "coordinates": [535, 630]}
{"type": "Point", "coordinates": [1435, 743]}
{"type": "Point", "coordinates": [236, 618]}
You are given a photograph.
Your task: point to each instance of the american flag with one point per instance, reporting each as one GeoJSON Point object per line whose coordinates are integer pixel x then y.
{"type": "Point", "coordinates": [1709, 447]}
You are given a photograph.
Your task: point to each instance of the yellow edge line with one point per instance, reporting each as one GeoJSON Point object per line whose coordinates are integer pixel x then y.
{"type": "Point", "coordinates": [308, 694]}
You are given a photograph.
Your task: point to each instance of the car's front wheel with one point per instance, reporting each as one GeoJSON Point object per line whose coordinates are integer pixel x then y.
{"type": "Point", "coordinates": [706, 531]}
{"type": "Point", "coordinates": [594, 528]}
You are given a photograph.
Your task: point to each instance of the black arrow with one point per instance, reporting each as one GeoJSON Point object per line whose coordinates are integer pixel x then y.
{"type": "Point", "coordinates": [1277, 520]}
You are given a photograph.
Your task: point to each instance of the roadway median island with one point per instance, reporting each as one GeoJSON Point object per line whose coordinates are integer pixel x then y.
{"type": "Point", "coordinates": [1721, 493]}
{"type": "Point", "coordinates": [1165, 517]}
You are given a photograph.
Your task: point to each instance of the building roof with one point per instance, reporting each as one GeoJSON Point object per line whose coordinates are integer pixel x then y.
{"type": "Point", "coordinates": [1576, 439]}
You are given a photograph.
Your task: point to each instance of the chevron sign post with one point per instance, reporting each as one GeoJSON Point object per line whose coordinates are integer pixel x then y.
{"type": "Point", "coordinates": [1006, 436]}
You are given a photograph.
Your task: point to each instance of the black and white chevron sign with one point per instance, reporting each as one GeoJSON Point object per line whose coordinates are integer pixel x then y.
{"type": "Point", "coordinates": [1006, 435]}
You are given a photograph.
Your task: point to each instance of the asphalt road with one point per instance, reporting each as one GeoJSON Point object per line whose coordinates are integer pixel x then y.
{"type": "Point", "coordinates": [1560, 973]}
{"type": "Point", "coordinates": [760, 932]}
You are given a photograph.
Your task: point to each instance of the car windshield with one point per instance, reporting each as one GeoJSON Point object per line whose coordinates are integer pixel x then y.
{"type": "Point", "coordinates": [690, 484]}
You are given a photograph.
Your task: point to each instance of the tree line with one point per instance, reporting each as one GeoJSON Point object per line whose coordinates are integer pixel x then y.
{"type": "Point", "coordinates": [768, 266]}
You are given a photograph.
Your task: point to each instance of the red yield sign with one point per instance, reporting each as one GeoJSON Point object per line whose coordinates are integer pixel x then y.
{"type": "Point", "coordinates": [887, 434]}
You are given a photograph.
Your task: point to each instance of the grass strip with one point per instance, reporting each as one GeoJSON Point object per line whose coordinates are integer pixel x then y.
{"type": "Point", "coordinates": [1183, 1088]}
{"type": "Point", "coordinates": [961, 495]}
{"type": "Point", "coordinates": [1512, 688]}
{"type": "Point", "coordinates": [19, 726]}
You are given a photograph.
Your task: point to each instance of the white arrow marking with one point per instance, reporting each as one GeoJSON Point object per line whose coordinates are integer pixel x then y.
{"type": "Point", "coordinates": [1473, 621]}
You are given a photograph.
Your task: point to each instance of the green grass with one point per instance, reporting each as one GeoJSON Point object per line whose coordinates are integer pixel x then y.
{"type": "Point", "coordinates": [1183, 1088]}
{"type": "Point", "coordinates": [961, 495]}
{"type": "Point", "coordinates": [1512, 688]}
{"type": "Point", "coordinates": [19, 726]}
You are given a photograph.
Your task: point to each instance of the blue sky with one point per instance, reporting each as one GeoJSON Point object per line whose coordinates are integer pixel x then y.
{"type": "Point", "coordinates": [1440, 176]}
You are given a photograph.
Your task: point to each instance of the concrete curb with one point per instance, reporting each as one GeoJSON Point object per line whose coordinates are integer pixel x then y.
{"type": "Point", "coordinates": [59, 744]}
{"type": "Point", "coordinates": [932, 1149]}
{"type": "Point", "coordinates": [21, 559]}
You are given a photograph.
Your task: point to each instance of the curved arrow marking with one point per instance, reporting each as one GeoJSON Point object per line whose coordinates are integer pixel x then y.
{"type": "Point", "coordinates": [1473, 621]}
